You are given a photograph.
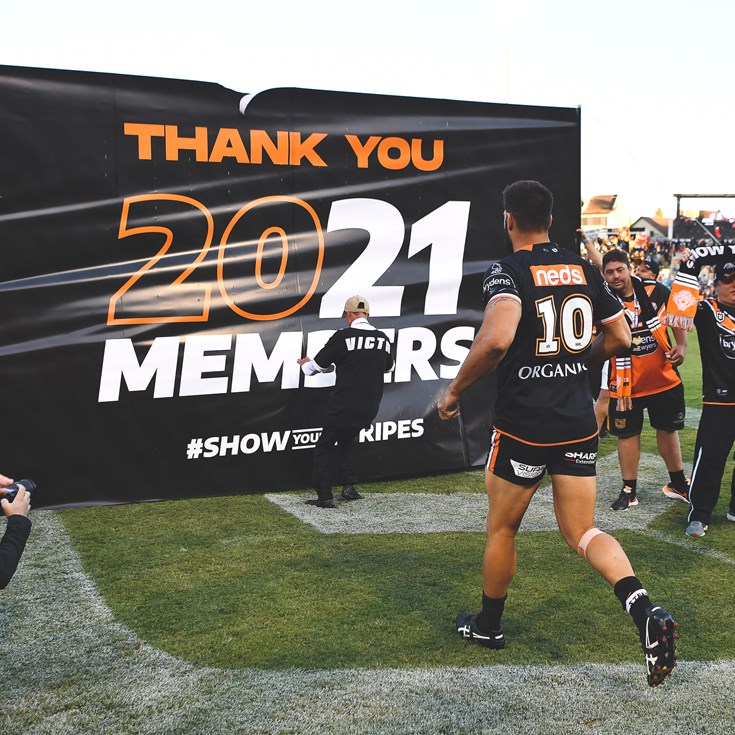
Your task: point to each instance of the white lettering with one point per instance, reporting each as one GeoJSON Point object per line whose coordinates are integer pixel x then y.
{"type": "Point", "coordinates": [121, 361]}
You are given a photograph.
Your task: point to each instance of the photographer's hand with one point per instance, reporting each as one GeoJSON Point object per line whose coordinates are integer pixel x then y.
{"type": "Point", "coordinates": [20, 506]}
{"type": "Point", "coordinates": [5, 481]}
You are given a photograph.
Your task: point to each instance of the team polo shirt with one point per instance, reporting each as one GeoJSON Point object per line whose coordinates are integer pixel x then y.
{"type": "Point", "coordinates": [543, 393]}
{"type": "Point", "coordinates": [651, 371]}
{"type": "Point", "coordinates": [715, 325]}
{"type": "Point", "coordinates": [361, 354]}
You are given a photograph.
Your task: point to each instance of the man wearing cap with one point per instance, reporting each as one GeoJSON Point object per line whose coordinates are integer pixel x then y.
{"type": "Point", "coordinates": [648, 269]}
{"type": "Point", "coordinates": [361, 355]}
{"type": "Point", "coordinates": [715, 324]}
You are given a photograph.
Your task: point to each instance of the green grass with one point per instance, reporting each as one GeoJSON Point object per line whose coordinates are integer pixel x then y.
{"type": "Point", "coordinates": [237, 582]}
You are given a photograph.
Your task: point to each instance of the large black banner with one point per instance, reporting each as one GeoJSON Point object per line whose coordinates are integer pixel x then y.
{"type": "Point", "coordinates": [170, 249]}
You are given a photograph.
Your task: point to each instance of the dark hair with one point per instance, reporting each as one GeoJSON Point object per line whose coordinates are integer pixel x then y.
{"type": "Point", "coordinates": [530, 203]}
{"type": "Point", "coordinates": [615, 255]}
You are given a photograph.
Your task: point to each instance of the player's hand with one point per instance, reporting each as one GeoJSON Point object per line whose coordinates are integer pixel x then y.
{"type": "Point", "coordinates": [448, 407]}
{"type": "Point", "coordinates": [676, 354]}
{"type": "Point", "coordinates": [624, 403]}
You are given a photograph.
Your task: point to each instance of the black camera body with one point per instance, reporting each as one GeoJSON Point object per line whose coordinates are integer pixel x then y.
{"type": "Point", "coordinates": [12, 490]}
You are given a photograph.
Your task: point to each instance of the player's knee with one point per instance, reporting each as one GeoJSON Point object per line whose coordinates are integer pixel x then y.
{"type": "Point", "coordinates": [584, 540]}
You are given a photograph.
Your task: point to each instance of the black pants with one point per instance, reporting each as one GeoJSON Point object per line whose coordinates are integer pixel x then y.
{"type": "Point", "coordinates": [332, 459]}
{"type": "Point", "coordinates": [715, 437]}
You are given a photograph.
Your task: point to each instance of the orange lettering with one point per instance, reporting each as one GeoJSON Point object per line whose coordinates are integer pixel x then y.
{"type": "Point", "coordinates": [174, 143]}
{"type": "Point", "coordinates": [362, 151]}
{"type": "Point", "coordinates": [420, 163]}
{"type": "Point", "coordinates": [228, 144]}
{"type": "Point", "coordinates": [145, 133]}
{"type": "Point", "coordinates": [277, 152]}
{"type": "Point", "coordinates": [305, 149]}
{"type": "Point", "coordinates": [404, 153]}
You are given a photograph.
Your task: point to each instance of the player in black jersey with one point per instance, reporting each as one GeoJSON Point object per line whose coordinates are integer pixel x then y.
{"type": "Point", "coordinates": [541, 304]}
{"type": "Point", "coordinates": [715, 323]}
{"type": "Point", "coordinates": [361, 355]}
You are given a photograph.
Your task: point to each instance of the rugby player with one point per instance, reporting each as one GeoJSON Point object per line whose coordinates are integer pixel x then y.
{"type": "Point", "coordinates": [541, 303]}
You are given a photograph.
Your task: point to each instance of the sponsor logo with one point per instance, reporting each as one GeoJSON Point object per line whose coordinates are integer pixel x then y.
{"type": "Point", "coordinates": [549, 370]}
{"type": "Point", "coordinates": [643, 343]}
{"type": "Point", "coordinates": [527, 471]}
{"type": "Point", "coordinates": [495, 281]}
{"type": "Point", "coordinates": [581, 457]}
{"type": "Point", "coordinates": [727, 344]}
{"type": "Point", "coordinates": [558, 275]}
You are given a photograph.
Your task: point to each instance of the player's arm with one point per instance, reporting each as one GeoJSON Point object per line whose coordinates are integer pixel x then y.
{"type": "Point", "coordinates": [614, 338]}
{"type": "Point", "coordinates": [492, 341]}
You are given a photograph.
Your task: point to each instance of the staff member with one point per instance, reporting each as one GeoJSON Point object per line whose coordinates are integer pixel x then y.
{"type": "Point", "coordinates": [715, 323]}
{"type": "Point", "coordinates": [361, 355]}
{"type": "Point", "coordinates": [16, 534]}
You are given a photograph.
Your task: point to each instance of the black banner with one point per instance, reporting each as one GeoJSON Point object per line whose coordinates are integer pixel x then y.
{"type": "Point", "coordinates": [171, 248]}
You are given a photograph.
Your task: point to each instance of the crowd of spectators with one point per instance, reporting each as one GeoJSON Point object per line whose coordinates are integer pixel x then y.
{"type": "Point", "coordinates": [688, 233]}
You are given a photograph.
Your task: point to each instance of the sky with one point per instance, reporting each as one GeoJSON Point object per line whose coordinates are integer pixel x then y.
{"type": "Point", "coordinates": [653, 78]}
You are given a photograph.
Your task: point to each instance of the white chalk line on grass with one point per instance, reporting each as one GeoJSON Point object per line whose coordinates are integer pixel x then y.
{"type": "Point", "coordinates": [69, 668]}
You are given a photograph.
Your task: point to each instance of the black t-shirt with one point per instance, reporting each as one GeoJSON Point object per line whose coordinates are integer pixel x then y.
{"type": "Point", "coordinates": [543, 394]}
{"type": "Point", "coordinates": [361, 355]}
{"type": "Point", "coordinates": [716, 331]}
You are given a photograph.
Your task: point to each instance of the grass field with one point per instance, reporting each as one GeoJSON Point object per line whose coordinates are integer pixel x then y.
{"type": "Point", "coordinates": [248, 615]}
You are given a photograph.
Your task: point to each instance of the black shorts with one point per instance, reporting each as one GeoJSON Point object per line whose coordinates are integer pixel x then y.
{"type": "Point", "coordinates": [666, 411]}
{"type": "Point", "coordinates": [525, 464]}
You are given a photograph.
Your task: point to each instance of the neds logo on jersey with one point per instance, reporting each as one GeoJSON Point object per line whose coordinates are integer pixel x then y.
{"type": "Point", "coordinates": [558, 275]}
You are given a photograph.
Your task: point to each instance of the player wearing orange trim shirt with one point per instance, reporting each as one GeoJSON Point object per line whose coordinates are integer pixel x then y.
{"type": "Point", "coordinates": [541, 303]}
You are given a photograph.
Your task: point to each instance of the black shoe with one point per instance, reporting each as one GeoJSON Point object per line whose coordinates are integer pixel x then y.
{"type": "Point", "coordinates": [328, 503]}
{"type": "Point", "coordinates": [658, 639]}
{"type": "Point", "coordinates": [349, 493]}
{"type": "Point", "coordinates": [467, 628]}
{"type": "Point", "coordinates": [626, 498]}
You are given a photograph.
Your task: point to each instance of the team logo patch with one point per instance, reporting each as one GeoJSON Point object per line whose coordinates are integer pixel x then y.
{"type": "Point", "coordinates": [496, 267]}
{"type": "Point", "coordinates": [527, 471]}
{"type": "Point", "coordinates": [621, 423]}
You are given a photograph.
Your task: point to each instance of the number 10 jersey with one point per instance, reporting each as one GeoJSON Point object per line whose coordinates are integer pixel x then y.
{"type": "Point", "coordinates": [543, 392]}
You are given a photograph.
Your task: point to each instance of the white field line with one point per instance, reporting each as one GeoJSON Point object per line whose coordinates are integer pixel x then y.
{"type": "Point", "coordinates": [68, 668]}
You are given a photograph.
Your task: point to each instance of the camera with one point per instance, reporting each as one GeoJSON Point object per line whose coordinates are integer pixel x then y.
{"type": "Point", "coordinates": [12, 490]}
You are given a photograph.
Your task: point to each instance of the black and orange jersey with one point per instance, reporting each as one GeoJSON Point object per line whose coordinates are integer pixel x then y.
{"type": "Point", "coordinates": [715, 325]}
{"type": "Point", "coordinates": [543, 391]}
{"type": "Point", "coordinates": [651, 372]}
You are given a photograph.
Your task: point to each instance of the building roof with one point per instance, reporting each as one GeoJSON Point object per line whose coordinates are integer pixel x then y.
{"type": "Point", "coordinates": [601, 204]}
{"type": "Point", "coordinates": [657, 223]}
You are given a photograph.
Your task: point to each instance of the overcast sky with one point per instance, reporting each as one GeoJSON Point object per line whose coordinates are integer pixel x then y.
{"type": "Point", "coordinates": [654, 79]}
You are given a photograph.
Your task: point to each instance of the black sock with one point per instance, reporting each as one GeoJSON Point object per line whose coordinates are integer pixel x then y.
{"type": "Point", "coordinates": [634, 599]}
{"type": "Point", "coordinates": [678, 480]}
{"type": "Point", "coordinates": [631, 484]}
{"type": "Point", "coordinates": [488, 619]}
